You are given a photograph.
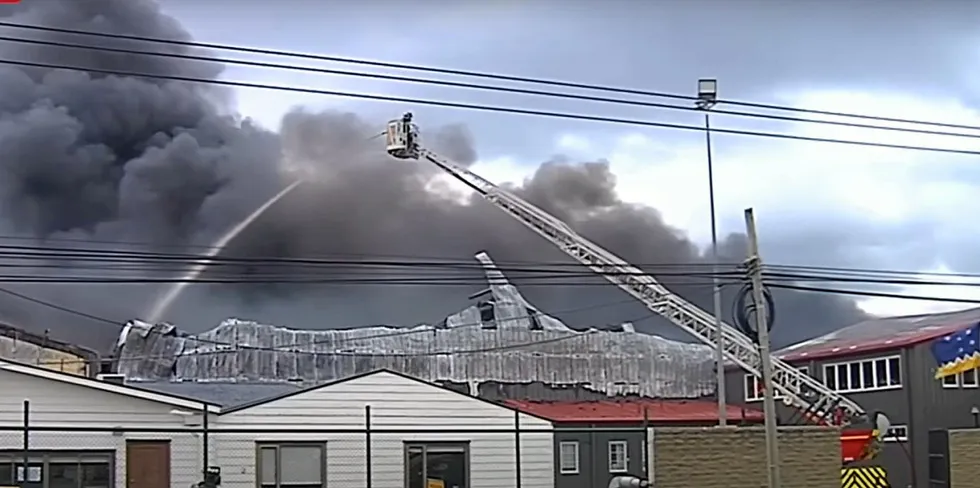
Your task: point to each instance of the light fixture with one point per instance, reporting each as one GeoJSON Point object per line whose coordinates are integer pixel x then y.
{"type": "Point", "coordinates": [707, 93]}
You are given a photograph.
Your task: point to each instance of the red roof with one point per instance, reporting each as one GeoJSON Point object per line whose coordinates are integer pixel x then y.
{"type": "Point", "coordinates": [883, 334]}
{"type": "Point", "coordinates": [608, 411]}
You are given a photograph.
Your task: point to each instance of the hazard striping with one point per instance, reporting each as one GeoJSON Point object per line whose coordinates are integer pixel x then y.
{"type": "Point", "coordinates": [864, 477]}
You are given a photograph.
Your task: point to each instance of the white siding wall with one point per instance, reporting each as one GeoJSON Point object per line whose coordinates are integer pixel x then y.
{"type": "Point", "coordinates": [396, 403]}
{"type": "Point", "coordinates": [54, 403]}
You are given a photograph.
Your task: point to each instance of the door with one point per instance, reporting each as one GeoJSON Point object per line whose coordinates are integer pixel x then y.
{"type": "Point", "coordinates": [147, 464]}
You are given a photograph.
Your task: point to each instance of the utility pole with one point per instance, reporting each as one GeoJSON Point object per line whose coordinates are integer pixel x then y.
{"type": "Point", "coordinates": [707, 98]}
{"type": "Point", "coordinates": [754, 267]}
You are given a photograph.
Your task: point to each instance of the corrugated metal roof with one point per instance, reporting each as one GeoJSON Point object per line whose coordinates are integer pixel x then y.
{"type": "Point", "coordinates": [658, 411]}
{"type": "Point", "coordinates": [518, 344]}
{"type": "Point", "coordinates": [881, 334]}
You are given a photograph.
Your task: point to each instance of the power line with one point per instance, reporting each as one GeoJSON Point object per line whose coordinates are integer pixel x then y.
{"type": "Point", "coordinates": [476, 74]}
{"type": "Point", "coordinates": [423, 260]}
{"type": "Point", "coordinates": [874, 294]}
{"type": "Point", "coordinates": [475, 86]}
{"type": "Point", "coordinates": [486, 108]}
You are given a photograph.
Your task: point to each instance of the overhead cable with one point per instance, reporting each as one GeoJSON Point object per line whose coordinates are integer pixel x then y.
{"type": "Point", "coordinates": [474, 74]}
{"type": "Point", "coordinates": [475, 86]}
{"type": "Point", "coordinates": [484, 108]}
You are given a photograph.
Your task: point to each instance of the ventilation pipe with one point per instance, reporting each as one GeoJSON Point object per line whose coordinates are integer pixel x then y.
{"type": "Point", "coordinates": [628, 482]}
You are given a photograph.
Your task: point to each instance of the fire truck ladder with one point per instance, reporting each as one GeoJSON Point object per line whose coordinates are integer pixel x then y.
{"type": "Point", "coordinates": [817, 402]}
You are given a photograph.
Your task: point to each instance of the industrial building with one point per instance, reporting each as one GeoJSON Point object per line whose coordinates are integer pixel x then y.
{"type": "Point", "coordinates": [41, 350]}
{"type": "Point", "coordinates": [886, 365]}
{"type": "Point", "coordinates": [597, 440]}
{"type": "Point", "coordinates": [500, 348]}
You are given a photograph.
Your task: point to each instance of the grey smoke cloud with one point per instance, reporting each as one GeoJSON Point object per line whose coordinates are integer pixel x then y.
{"type": "Point", "coordinates": [123, 159]}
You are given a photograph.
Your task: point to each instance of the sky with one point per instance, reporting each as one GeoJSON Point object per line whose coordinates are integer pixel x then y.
{"type": "Point", "coordinates": [816, 204]}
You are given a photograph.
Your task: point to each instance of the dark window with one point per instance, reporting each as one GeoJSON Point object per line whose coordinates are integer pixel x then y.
{"type": "Point", "coordinates": [881, 373]}
{"type": "Point", "coordinates": [487, 315]}
{"type": "Point", "coordinates": [894, 372]}
{"type": "Point", "coordinates": [57, 469]}
{"type": "Point", "coordinates": [444, 464]}
{"type": "Point", "coordinates": [291, 465]}
{"type": "Point", "coordinates": [830, 377]}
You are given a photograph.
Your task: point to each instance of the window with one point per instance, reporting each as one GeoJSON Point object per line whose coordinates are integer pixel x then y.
{"type": "Point", "coordinates": [618, 460]}
{"type": "Point", "coordinates": [966, 379]}
{"type": "Point", "coordinates": [568, 460]}
{"type": "Point", "coordinates": [897, 433]}
{"type": "Point", "coordinates": [291, 465]}
{"type": "Point", "coordinates": [969, 379]}
{"type": "Point", "coordinates": [445, 463]}
{"type": "Point", "coordinates": [754, 391]}
{"type": "Point", "coordinates": [864, 375]}
{"type": "Point", "coordinates": [57, 470]}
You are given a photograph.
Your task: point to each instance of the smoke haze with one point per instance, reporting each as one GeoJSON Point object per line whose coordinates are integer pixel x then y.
{"type": "Point", "coordinates": [121, 159]}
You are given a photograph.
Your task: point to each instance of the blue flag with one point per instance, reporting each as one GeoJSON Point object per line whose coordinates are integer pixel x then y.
{"type": "Point", "coordinates": [957, 352]}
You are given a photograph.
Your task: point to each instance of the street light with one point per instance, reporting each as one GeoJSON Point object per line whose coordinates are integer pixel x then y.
{"type": "Point", "coordinates": [707, 98]}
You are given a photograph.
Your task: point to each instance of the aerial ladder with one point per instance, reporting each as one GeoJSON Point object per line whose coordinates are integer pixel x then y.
{"type": "Point", "coordinates": [817, 403]}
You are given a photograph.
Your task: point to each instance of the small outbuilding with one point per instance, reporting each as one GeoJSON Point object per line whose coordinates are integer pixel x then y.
{"type": "Point", "coordinates": [379, 429]}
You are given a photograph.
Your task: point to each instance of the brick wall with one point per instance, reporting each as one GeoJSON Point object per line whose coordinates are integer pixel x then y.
{"type": "Point", "coordinates": [735, 457]}
{"type": "Point", "coordinates": [964, 458]}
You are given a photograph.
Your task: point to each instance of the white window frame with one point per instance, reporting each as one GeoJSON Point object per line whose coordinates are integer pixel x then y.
{"type": "Point", "coordinates": [613, 468]}
{"type": "Point", "coordinates": [897, 433]}
{"type": "Point", "coordinates": [752, 383]}
{"type": "Point", "coordinates": [959, 380]}
{"type": "Point", "coordinates": [973, 384]}
{"type": "Point", "coordinates": [277, 446]}
{"type": "Point", "coordinates": [860, 364]}
{"type": "Point", "coordinates": [562, 467]}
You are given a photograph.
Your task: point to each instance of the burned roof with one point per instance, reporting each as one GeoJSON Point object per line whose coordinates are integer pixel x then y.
{"type": "Point", "coordinates": [881, 334]}
{"type": "Point", "coordinates": [515, 343]}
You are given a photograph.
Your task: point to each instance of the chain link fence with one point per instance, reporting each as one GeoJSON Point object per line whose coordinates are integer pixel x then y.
{"type": "Point", "coordinates": [357, 451]}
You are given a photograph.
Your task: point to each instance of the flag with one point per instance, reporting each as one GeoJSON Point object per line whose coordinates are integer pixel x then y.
{"type": "Point", "coordinates": [957, 352]}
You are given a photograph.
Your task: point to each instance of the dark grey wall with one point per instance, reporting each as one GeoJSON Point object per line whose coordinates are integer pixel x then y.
{"type": "Point", "coordinates": [593, 442]}
{"type": "Point", "coordinates": [933, 406]}
{"type": "Point", "coordinates": [895, 403]}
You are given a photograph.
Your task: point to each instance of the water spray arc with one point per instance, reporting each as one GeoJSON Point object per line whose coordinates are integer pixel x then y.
{"type": "Point", "coordinates": [161, 305]}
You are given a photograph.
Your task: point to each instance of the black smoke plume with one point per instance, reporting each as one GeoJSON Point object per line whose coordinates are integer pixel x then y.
{"type": "Point", "coordinates": [117, 159]}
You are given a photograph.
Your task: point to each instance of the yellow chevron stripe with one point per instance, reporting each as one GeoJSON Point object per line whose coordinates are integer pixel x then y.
{"type": "Point", "coordinates": [864, 477]}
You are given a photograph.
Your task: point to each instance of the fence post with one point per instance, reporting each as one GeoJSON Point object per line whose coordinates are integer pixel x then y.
{"type": "Point", "coordinates": [27, 441]}
{"type": "Point", "coordinates": [645, 449]}
{"type": "Point", "coordinates": [517, 446]}
{"type": "Point", "coordinates": [367, 444]}
{"type": "Point", "coordinates": [205, 440]}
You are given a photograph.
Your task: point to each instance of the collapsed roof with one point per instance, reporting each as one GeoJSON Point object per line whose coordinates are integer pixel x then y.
{"type": "Point", "coordinates": [501, 339]}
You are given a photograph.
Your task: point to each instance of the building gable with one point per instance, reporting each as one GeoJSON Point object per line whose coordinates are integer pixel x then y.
{"type": "Point", "coordinates": [391, 397]}
{"type": "Point", "coordinates": [57, 377]}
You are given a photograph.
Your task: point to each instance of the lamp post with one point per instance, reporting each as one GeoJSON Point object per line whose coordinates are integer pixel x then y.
{"type": "Point", "coordinates": [707, 98]}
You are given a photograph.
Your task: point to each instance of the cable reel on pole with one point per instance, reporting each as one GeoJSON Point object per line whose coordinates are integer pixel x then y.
{"type": "Point", "coordinates": [745, 309]}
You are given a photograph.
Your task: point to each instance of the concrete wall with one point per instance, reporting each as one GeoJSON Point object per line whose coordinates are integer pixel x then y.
{"type": "Point", "coordinates": [736, 457]}
{"type": "Point", "coordinates": [964, 458]}
{"type": "Point", "coordinates": [593, 448]}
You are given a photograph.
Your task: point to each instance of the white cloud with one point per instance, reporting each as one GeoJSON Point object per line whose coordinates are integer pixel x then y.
{"type": "Point", "coordinates": [791, 182]}
{"type": "Point", "coordinates": [961, 288]}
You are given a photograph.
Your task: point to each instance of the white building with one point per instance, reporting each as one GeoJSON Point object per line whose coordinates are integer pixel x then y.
{"type": "Point", "coordinates": [121, 420]}
{"type": "Point", "coordinates": [419, 431]}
